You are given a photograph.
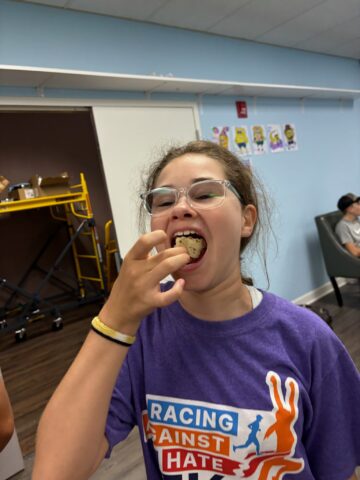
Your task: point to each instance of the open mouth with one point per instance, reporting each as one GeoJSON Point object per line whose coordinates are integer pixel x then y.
{"type": "Point", "coordinates": [194, 243]}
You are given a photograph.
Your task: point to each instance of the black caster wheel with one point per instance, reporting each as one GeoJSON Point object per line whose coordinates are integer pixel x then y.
{"type": "Point", "coordinates": [3, 324]}
{"type": "Point", "coordinates": [20, 335]}
{"type": "Point", "coordinates": [57, 324]}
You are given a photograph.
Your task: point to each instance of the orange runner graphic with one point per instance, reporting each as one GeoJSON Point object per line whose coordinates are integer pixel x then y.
{"type": "Point", "coordinates": [286, 414]}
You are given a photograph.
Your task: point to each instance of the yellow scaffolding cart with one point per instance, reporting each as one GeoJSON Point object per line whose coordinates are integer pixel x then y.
{"type": "Point", "coordinates": [74, 209]}
{"type": "Point", "coordinates": [113, 259]}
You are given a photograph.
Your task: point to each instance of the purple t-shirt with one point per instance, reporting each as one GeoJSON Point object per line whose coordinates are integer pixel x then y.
{"type": "Point", "coordinates": [269, 395]}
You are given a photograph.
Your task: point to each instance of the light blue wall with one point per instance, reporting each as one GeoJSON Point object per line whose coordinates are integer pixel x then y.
{"type": "Point", "coordinates": [48, 37]}
{"type": "Point", "coordinates": [303, 183]}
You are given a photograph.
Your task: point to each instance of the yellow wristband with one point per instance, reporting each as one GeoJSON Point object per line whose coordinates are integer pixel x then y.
{"type": "Point", "coordinates": [99, 327]}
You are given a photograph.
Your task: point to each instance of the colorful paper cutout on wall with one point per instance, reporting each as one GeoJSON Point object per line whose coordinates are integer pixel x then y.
{"type": "Point", "coordinates": [241, 140]}
{"type": "Point", "coordinates": [215, 134]}
{"type": "Point", "coordinates": [220, 135]}
{"type": "Point", "coordinates": [258, 139]}
{"type": "Point", "coordinates": [274, 137]}
{"type": "Point", "coordinates": [290, 138]}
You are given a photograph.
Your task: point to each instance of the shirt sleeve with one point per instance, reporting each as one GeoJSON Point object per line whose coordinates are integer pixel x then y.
{"type": "Point", "coordinates": [344, 233]}
{"type": "Point", "coordinates": [333, 440]}
{"type": "Point", "coordinates": [121, 416]}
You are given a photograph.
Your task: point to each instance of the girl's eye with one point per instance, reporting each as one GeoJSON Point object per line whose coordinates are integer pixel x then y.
{"type": "Point", "coordinates": [206, 191]}
{"type": "Point", "coordinates": [163, 202]}
{"type": "Point", "coordinates": [205, 196]}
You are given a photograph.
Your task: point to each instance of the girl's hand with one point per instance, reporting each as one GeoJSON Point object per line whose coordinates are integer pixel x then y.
{"type": "Point", "coordinates": [136, 291]}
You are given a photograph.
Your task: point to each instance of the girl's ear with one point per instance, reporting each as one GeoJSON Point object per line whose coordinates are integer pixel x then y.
{"type": "Point", "coordinates": [249, 217]}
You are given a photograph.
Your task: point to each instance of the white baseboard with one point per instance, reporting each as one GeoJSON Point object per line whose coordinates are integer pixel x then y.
{"type": "Point", "coordinates": [319, 292]}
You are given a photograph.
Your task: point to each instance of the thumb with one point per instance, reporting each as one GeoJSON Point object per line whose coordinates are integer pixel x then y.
{"type": "Point", "coordinates": [170, 296]}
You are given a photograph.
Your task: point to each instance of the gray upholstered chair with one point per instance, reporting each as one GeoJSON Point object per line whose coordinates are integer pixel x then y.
{"type": "Point", "coordinates": [338, 261]}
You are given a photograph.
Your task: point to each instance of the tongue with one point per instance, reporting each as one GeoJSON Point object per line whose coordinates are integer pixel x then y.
{"type": "Point", "coordinates": [195, 246]}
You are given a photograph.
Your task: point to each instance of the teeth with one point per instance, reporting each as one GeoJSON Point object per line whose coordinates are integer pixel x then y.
{"type": "Point", "coordinates": [185, 232]}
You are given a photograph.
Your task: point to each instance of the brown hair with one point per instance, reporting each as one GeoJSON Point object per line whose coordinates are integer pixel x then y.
{"type": "Point", "coordinates": [241, 177]}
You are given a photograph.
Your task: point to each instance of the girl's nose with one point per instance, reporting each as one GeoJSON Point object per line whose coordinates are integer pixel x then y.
{"type": "Point", "coordinates": [182, 209]}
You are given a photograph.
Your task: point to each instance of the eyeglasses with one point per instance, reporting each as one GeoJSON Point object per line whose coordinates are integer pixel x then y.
{"type": "Point", "coordinates": [202, 195]}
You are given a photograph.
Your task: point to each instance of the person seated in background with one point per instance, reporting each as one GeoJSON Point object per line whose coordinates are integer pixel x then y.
{"type": "Point", "coordinates": [6, 417]}
{"type": "Point", "coordinates": [348, 228]}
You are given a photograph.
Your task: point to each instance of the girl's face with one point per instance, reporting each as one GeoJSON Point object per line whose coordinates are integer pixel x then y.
{"type": "Point", "coordinates": [221, 227]}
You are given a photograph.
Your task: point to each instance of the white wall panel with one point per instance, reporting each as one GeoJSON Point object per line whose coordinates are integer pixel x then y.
{"type": "Point", "coordinates": [129, 139]}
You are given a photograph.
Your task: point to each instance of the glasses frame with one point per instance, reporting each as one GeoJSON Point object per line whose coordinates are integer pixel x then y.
{"type": "Point", "coordinates": [185, 191]}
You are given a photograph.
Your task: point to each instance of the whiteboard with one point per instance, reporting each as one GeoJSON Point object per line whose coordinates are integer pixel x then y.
{"type": "Point", "coordinates": [130, 138]}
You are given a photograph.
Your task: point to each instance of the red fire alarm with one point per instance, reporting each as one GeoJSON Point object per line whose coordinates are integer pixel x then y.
{"type": "Point", "coordinates": [241, 109]}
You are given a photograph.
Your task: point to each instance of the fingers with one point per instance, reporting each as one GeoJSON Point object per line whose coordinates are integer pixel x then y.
{"type": "Point", "coordinates": [146, 243]}
{"type": "Point", "coordinates": [163, 255]}
{"type": "Point", "coordinates": [169, 265]}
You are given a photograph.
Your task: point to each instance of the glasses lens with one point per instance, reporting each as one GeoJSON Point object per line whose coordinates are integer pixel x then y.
{"type": "Point", "coordinates": [207, 194]}
{"type": "Point", "coordinates": [160, 199]}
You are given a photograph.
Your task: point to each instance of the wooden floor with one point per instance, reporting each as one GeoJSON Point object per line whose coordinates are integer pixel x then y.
{"type": "Point", "coordinates": [33, 369]}
{"type": "Point", "coordinates": [346, 318]}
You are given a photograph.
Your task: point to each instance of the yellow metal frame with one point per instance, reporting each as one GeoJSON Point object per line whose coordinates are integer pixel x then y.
{"type": "Point", "coordinates": [110, 250]}
{"type": "Point", "coordinates": [80, 195]}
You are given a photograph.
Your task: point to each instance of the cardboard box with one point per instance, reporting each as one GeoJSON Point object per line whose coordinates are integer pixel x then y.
{"type": "Point", "coordinates": [46, 186]}
{"type": "Point", "coordinates": [4, 182]}
{"type": "Point", "coordinates": [22, 194]}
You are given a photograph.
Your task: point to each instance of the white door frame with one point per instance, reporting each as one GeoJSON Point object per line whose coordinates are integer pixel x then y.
{"type": "Point", "coordinates": [29, 104]}
{"type": "Point", "coordinates": [57, 104]}
{"type": "Point", "coordinates": [51, 104]}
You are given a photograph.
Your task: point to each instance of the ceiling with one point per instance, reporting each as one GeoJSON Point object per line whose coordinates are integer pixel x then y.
{"type": "Point", "coordinates": [324, 26]}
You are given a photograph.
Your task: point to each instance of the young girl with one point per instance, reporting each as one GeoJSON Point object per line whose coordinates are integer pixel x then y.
{"type": "Point", "coordinates": [224, 380]}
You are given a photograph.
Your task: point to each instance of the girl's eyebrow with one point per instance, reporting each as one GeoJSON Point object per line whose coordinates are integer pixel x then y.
{"type": "Point", "coordinates": [195, 180]}
{"type": "Point", "coordinates": [201, 179]}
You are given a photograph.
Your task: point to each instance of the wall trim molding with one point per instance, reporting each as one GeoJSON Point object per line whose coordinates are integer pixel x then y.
{"type": "Point", "coordinates": [41, 78]}
{"type": "Point", "coordinates": [17, 103]}
{"type": "Point", "coordinates": [313, 295]}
